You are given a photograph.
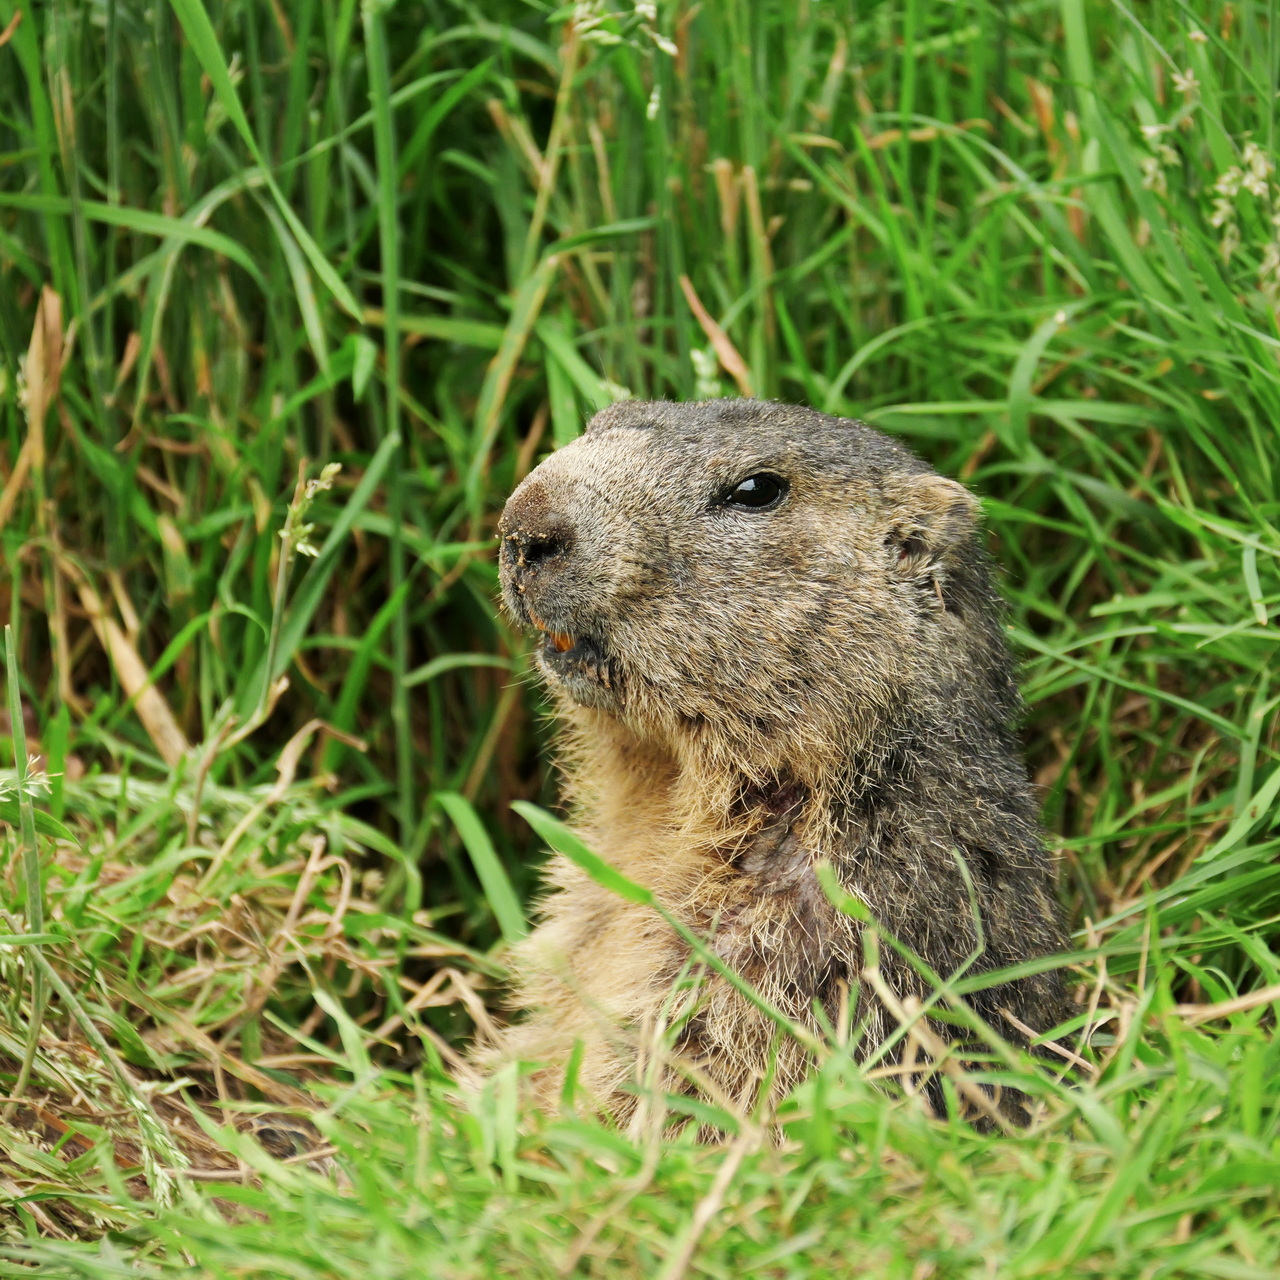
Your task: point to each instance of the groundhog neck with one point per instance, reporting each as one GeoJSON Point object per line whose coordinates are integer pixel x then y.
{"type": "Point", "coordinates": [925, 782]}
{"type": "Point", "coordinates": [618, 783]}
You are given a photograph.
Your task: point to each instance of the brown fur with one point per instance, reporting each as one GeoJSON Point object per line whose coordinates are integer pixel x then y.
{"type": "Point", "coordinates": [751, 691]}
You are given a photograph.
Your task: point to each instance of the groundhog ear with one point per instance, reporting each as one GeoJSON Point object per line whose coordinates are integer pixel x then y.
{"type": "Point", "coordinates": [929, 516]}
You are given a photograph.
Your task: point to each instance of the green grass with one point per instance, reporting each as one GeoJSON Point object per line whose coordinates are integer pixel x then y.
{"type": "Point", "coordinates": [241, 950]}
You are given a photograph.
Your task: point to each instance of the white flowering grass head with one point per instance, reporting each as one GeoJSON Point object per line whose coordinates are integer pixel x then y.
{"type": "Point", "coordinates": [296, 533]}
{"type": "Point", "coordinates": [1237, 204]}
{"type": "Point", "coordinates": [602, 23]}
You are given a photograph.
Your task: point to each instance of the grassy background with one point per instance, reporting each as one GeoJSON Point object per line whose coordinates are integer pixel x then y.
{"type": "Point", "coordinates": [242, 949]}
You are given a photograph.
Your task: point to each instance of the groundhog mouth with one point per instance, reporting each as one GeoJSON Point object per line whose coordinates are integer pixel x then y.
{"type": "Point", "coordinates": [578, 663]}
{"type": "Point", "coordinates": [558, 640]}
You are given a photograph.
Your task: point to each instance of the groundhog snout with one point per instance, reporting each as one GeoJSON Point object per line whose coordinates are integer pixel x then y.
{"type": "Point", "coordinates": [539, 562]}
{"type": "Point", "coordinates": [535, 534]}
{"type": "Point", "coordinates": [529, 551]}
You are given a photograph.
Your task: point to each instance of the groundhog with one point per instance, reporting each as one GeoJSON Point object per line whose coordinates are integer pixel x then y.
{"type": "Point", "coordinates": [773, 639]}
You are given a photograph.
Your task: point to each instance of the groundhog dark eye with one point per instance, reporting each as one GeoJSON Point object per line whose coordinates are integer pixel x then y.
{"type": "Point", "coordinates": [759, 490]}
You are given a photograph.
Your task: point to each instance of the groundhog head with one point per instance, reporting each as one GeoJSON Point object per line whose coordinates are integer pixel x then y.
{"type": "Point", "coordinates": [769, 582]}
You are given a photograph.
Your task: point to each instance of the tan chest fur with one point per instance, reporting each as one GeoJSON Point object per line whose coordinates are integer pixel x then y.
{"type": "Point", "coordinates": [615, 976]}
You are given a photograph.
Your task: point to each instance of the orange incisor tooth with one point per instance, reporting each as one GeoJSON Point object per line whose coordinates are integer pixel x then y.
{"type": "Point", "coordinates": [562, 642]}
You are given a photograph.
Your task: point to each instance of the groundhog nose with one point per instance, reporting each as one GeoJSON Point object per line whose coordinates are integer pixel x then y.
{"type": "Point", "coordinates": [528, 549]}
{"type": "Point", "coordinates": [534, 533]}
